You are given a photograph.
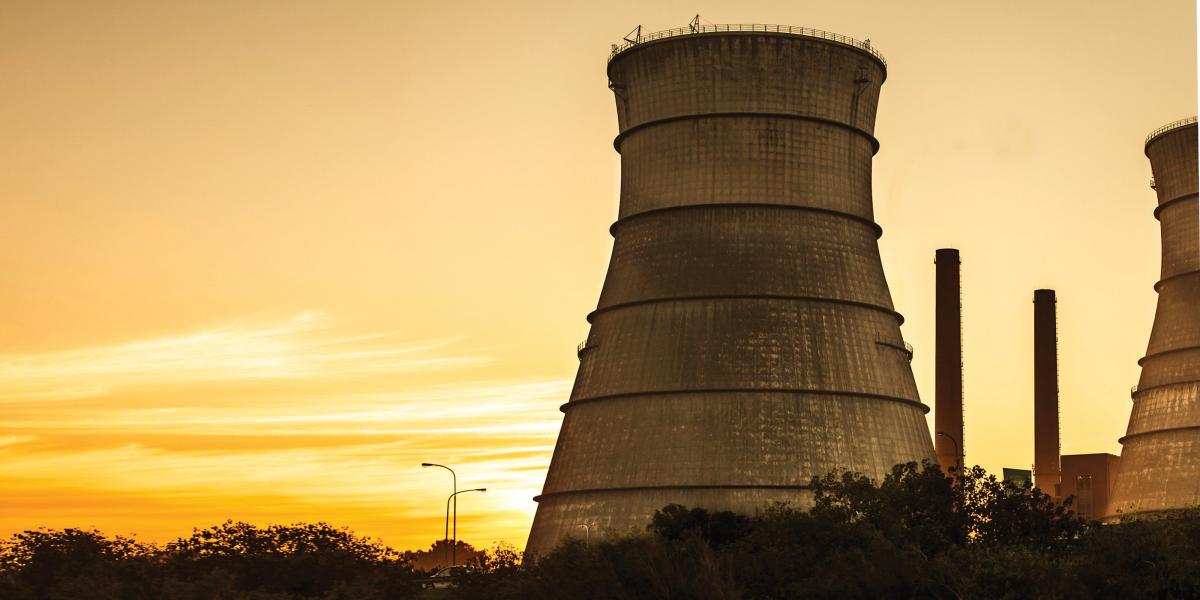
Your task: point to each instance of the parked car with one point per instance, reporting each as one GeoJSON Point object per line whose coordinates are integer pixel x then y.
{"type": "Point", "coordinates": [447, 577]}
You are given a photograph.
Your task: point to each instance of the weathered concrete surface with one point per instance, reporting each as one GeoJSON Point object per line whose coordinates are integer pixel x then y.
{"type": "Point", "coordinates": [745, 339]}
{"type": "Point", "coordinates": [1160, 455]}
{"type": "Point", "coordinates": [1089, 478]}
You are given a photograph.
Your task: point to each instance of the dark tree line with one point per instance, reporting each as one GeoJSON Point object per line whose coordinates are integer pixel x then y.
{"type": "Point", "coordinates": [231, 560]}
{"type": "Point", "coordinates": [917, 534]}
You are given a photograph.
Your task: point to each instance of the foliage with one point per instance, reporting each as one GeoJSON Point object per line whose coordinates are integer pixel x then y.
{"type": "Point", "coordinates": [33, 564]}
{"type": "Point", "coordinates": [502, 559]}
{"type": "Point", "coordinates": [915, 534]}
{"type": "Point", "coordinates": [717, 529]}
{"type": "Point", "coordinates": [301, 560]}
{"type": "Point", "coordinates": [231, 560]}
{"type": "Point", "coordinates": [918, 505]}
{"type": "Point", "coordinates": [640, 566]}
{"type": "Point", "coordinates": [443, 553]}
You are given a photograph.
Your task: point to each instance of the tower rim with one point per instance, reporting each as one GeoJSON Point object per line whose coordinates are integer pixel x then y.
{"type": "Point", "coordinates": [1171, 127]}
{"type": "Point", "coordinates": [735, 29]}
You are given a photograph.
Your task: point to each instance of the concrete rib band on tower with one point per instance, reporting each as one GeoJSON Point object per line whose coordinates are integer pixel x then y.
{"type": "Point", "coordinates": [745, 339]}
{"type": "Point", "coordinates": [1160, 455]}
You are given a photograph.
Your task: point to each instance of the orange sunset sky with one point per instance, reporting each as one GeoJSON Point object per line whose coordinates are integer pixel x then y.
{"type": "Point", "coordinates": [261, 259]}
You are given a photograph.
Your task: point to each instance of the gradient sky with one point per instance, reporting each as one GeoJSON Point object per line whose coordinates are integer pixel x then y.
{"type": "Point", "coordinates": [261, 259]}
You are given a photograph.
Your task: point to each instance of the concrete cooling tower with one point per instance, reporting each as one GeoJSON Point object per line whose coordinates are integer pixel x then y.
{"type": "Point", "coordinates": [745, 339]}
{"type": "Point", "coordinates": [1160, 455]}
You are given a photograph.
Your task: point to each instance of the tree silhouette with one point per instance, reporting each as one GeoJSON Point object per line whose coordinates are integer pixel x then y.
{"type": "Point", "coordinates": [914, 534]}
{"type": "Point", "coordinates": [73, 563]}
{"type": "Point", "coordinates": [301, 559]}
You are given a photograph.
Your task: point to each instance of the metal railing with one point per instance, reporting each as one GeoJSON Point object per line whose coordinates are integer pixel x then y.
{"type": "Point", "coordinates": [579, 350]}
{"type": "Point", "coordinates": [1170, 127]}
{"type": "Point", "coordinates": [709, 28]}
{"type": "Point", "coordinates": [904, 347]}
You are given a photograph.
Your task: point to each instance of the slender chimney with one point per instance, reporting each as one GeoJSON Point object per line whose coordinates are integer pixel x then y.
{"type": "Point", "coordinates": [948, 390]}
{"type": "Point", "coordinates": [1046, 471]}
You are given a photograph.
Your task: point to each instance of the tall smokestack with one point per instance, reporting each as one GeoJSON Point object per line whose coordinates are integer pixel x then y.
{"type": "Point", "coordinates": [1046, 471]}
{"type": "Point", "coordinates": [948, 390]}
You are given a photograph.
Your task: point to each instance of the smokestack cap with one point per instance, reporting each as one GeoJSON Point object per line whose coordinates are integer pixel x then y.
{"type": "Point", "coordinates": [941, 254]}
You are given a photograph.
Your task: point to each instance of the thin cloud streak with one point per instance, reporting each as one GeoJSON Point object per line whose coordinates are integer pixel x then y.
{"type": "Point", "coordinates": [290, 348]}
{"type": "Point", "coordinates": [211, 425]}
{"type": "Point", "coordinates": [505, 405]}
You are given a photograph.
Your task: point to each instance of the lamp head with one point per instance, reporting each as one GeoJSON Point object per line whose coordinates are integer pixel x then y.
{"type": "Point", "coordinates": [426, 464]}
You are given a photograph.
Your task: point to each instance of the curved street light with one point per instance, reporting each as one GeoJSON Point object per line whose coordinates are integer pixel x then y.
{"type": "Point", "coordinates": [454, 487]}
{"type": "Point", "coordinates": [454, 540]}
{"type": "Point", "coordinates": [957, 453]}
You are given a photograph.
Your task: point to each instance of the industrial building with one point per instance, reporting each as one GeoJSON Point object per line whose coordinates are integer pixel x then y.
{"type": "Point", "coordinates": [1018, 476]}
{"type": "Point", "coordinates": [1087, 478]}
{"type": "Point", "coordinates": [745, 339]}
{"type": "Point", "coordinates": [1159, 467]}
{"type": "Point", "coordinates": [1160, 455]}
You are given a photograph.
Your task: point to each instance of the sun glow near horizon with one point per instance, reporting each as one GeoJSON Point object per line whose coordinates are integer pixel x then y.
{"type": "Point", "coordinates": [276, 420]}
{"type": "Point", "coordinates": [260, 261]}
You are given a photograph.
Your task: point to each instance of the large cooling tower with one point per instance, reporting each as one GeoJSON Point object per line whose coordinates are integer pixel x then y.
{"type": "Point", "coordinates": [745, 339]}
{"type": "Point", "coordinates": [1160, 457]}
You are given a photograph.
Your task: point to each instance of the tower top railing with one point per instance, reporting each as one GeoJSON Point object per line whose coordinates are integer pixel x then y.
{"type": "Point", "coordinates": [1172, 126]}
{"type": "Point", "coordinates": [696, 29]}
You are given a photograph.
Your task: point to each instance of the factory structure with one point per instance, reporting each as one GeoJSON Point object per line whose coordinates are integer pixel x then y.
{"type": "Point", "coordinates": [1087, 478]}
{"type": "Point", "coordinates": [745, 339]}
{"type": "Point", "coordinates": [1160, 454]}
{"type": "Point", "coordinates": [1159, 466]}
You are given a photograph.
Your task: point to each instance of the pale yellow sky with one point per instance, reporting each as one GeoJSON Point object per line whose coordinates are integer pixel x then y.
{"type": "Point", "coordinates": [260, 259]}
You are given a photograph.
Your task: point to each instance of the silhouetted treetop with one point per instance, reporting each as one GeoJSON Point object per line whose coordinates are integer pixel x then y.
{"type": "Point", "coordinates": [915, 534]}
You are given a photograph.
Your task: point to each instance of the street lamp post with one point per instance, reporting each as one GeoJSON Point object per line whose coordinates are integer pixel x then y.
{"type": "Point", "coordinates": [454, 540]}
{"type": "Point", "coordinates": [454, 488]}
{"type": "Point", "coordinates": [957, 453]}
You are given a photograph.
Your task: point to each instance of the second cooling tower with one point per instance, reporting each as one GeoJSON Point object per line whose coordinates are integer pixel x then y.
{"type": "Point", "coordinates": [745, 339]}
{"type": "Point", "coordinates": [1160, 454]}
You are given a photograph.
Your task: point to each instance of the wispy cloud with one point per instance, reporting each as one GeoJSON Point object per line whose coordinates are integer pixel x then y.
{"type": "Point", "coordinates": [270, 420]}
{"type": "Point", "coordinates": [291, 348]}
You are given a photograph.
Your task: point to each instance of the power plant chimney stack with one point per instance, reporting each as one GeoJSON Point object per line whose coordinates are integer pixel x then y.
{"type": "Point", "coordinates": [1160, 454]}
{"type": "Point", "coordinates": [1047, 472]}
{"type": "Point", "coordinates": [948, 391]}
{"type": "Point", "coordinates": [745, 340]}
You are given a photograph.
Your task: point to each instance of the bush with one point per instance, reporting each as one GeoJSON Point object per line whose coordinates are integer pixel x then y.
{"type": "Point", "coordinates": [915, 534]}
{"type": "Point", "coordinates": [231, 560]}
